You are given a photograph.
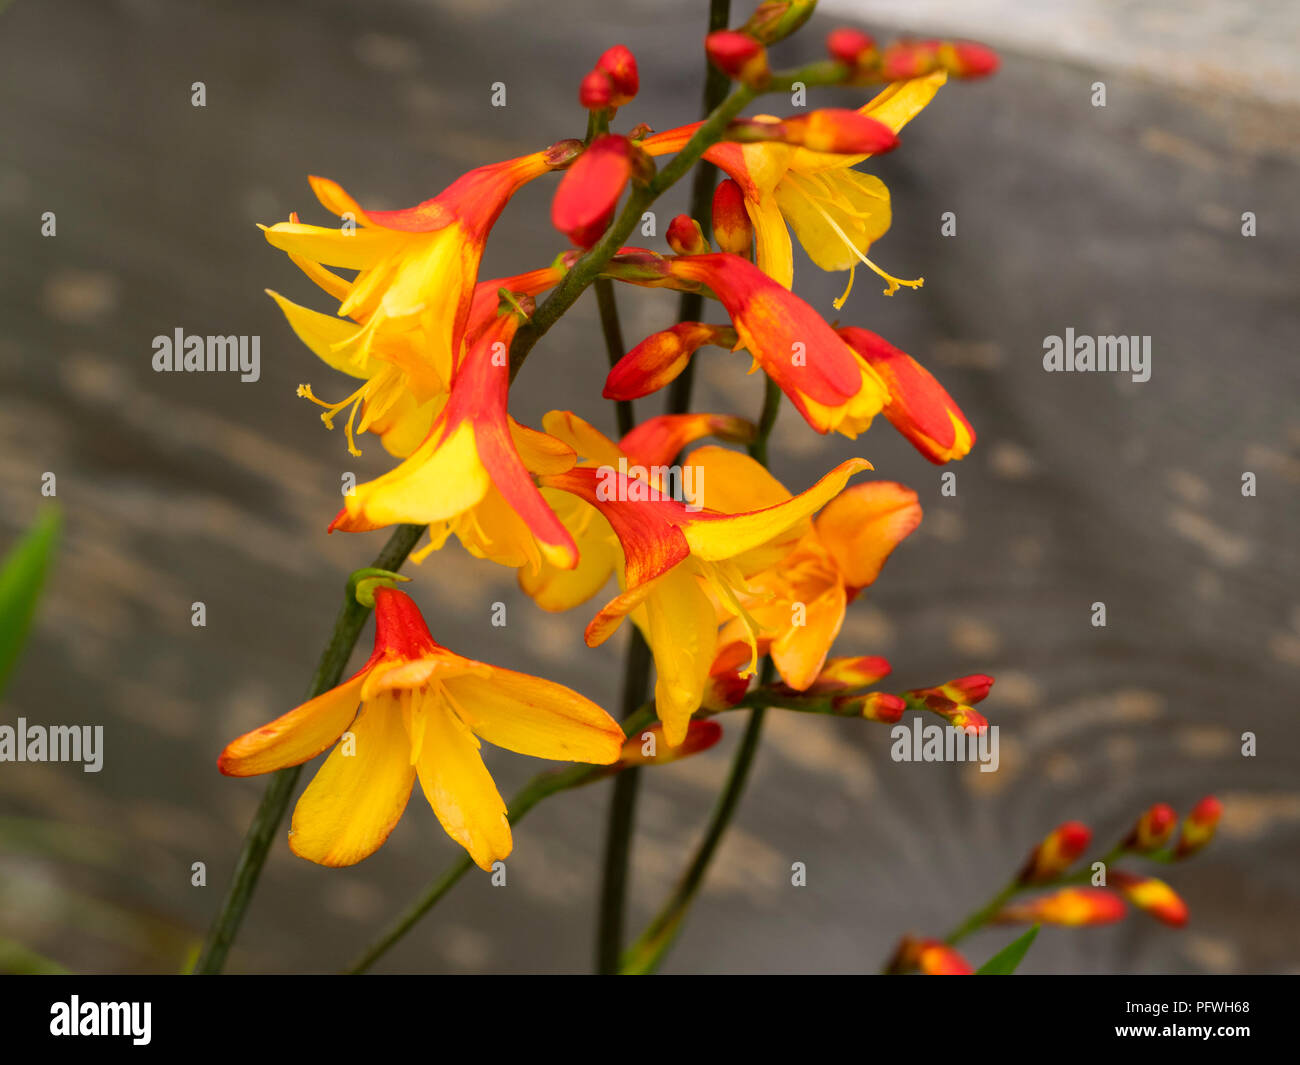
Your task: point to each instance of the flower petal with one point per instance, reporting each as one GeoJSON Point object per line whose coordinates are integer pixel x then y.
{"type": "Point", "coordinates": [863, 525]}
{"type": "Point", "coordinates": [295, 737]}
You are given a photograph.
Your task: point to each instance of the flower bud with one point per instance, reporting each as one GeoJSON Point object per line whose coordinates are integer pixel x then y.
{"type": "Point", "coordinates": [732, 229]}
{"type": "Point", "coordinates": [661, 357]}
{"type": "Point", "coordinates": [851, 47]}
{"type": "Point", "coordinates": [686, 237]}
{"type": "Point", "coordinates": [590, 189]}
{"type": "Point", "coordinates": [738, 56]}
{"type": "Point", "coordinates": [1153, 829]}
{"type": "Point", "coordinates": [647, 747]}
{"type": "Point", "coordinates": [967, 59]}
{"type": "Point", "coordinates": [1199, 827]}
{"type": "Point", "coordinates": [619, 65]}
{"type": "Point", "coordinates": [1072, 906]}
{"type": "Point", "coordinates": [874, 706]}
{"type": "Point", "coordinates": [774, 20]}
{"type": "Point", "coordinates": [596, 91]}
{"type": "Point", "coordinates": [905, 60]}
{"type": "Point", "coordinates": [958, 715]}
{"type": "Point", "coordinates": [838, 130]}
{"type": "Point", "coordinates": [849, 673]}
{"type": "Point", "coordinates": [933, 957]}
{"type": "Point", "coordinates": [1154, 896]}
{"type": "Point", "coordinates": [1060, 849]}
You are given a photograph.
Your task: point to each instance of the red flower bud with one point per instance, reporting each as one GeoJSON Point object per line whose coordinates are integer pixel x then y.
{"type": "Point", "coordinates": [596, 91]}
{"type": "Point", "coordinates": [1154, 896]}
{"type": "Point", "coordinates": [834, 129]}
{"type": "Point", "coordinates": [686, 237]}
{"type": "Point", "coordinates": [1060, 849]}
{"type": "Point", "coordinates": [933, 957]}
{"type": "Point", "coordinates": [619, 65]}
{"type": "Point", "coordinates": [909, 59]}
{"type": "Point", "coordinates": [967, 59]}
{"type": "Point", "coordinates": [647, 747]}
{"type": "Point", "coordinates": [850, 47]}
{"type": "Point", "coordinates": [738, 56]}
{"type": "Point", "coordinates": [1153, 829]}
{"type": "Point", "coordinates": [1069, 906]}
{"type": "Point", "coordinates": [589, 191]}
{"type": "Point", "coordinates": [732, 229]}
{"type": "Point", "coordinates": [874, 706]}
{"type": "Point", "coordinates": [851, 672]}
{"type": "Point", "coordinates": [1199, 827]}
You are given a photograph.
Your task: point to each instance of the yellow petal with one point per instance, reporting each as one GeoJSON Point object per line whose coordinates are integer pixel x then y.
{"type": "Point", "coordinates": [682, 630]}
{"type": "Point", "coordinates": [460, 789]}
{"type": "Point", "coordinates": [799, 652]}
{"type": "Point", "coordinates": [732, 481]}
{"type": "Point", "coordinates": [355, 800]}
{"type": "Point", "coordinates": [440, 480]}
{"type": "Point", "coordinates": [320, 332]}
{"type": "Point", "coordinates": [541, 453]}
{"type": "Point", "coordinates": [583, 437]}
{"type": "Point", "coordinates": [295, 737]}
{"type": "Point", "coordinates": [771, 240]}
{"type": "Point", "coordinates": [864, 525]}
{"type": "Point", "coordinates": [537, 717]}
{"type": "Point", "coordinates": [355, 250]}
{"type": "Point", "coordinates": [714, 539]}
{"type": "Point", "coordinates": [556, 589]}
{"type": "Point", "coordinates": [835, 213]}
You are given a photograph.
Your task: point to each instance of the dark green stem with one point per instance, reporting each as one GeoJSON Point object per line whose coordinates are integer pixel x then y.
{"type": "Point", "coordinates": [613, 333]}
{"type": "Point", "coordinates": [270, 811]}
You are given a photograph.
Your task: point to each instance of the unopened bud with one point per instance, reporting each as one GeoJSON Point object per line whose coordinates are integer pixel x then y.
{"type": "Point", "coordinates": [839, 130]}
{"type": "Point", "coordinates": [904, 60]}
{"type": "Point", "coordinates": [1199, 827]}
{"type": "Point", "coordinates": [1070, 906]}
{"type": "Point", "coordinates": [1153, 829]}
{"type": "Point", "coordinates": [596, 91]}
{"type": "Point", "coordinates": [738, 56]}
{"type": "Point", "coordinates": [732, 229]}
{"type": "Point", "coordinates": [585, 200]}
{"type": "Point", "coordinates": [933, 957]}
{"type": "Point", "coordinates": [619, 65]}
{"type": "Point", "coordinates": [967, 59]}
{"type": "Point", "coordinates": [1060, 849]}
{"type": "Point", "coordinates": [874, 706]}
{"type": "Point", "coordinates": [700, 736]}
{"type": "Point", "coordinates": [686, 237]}
{"type": "Point", "coordinates": [849, 673]}
{"type": "Point", "coordinates": [1151, 895]}
{"type": "Point", "coordinates": [775, 20]}
{"type": "Point", "coordinates": [851, 47]}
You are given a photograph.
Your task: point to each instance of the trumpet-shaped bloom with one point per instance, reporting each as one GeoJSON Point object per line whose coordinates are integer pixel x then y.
{"type": "Point", "coordinates": [800, 600]}
{"type": "Point", "coordinates": [826, 381]}
{"type": "Point", "coordinates": [471, 475]}
{"type": "Point", "coordinates": [423, 710]}
{"type": "Point", "coordinates": [416, 267]}
{"type": "Point", "coordinates": [681, 566]}
{"type": "Point", "coordinates": [836, 212]}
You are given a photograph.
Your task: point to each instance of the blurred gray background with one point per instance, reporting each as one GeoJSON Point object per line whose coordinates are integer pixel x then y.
{"type": "Point", "coordinates": [1123, 219]}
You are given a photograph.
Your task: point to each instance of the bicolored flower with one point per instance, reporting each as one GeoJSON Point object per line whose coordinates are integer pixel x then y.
{"type": "Point", "coordinates": [1059, 850]}
{"type": "Point", "coordinates": [401, 393]}
{"type": "Point", "coordinates": [681, 568]}
{"type": "Point", "coordinates": [416, 267]}
{"type": "Point", "coordinates": [1151, 895]}
{"type": "Point", "coordinates": [916, 404]}
{"type": "Point", "coordinates": [1072, 906]}
{"type": "Point", "coordinates": [472, 473]}
{"type": "Point", "coordinates": [836, 212]}
{"type": "Point", "coordinates": [826, 381]}
{"type": "Point", "coordinates": [423, 710]}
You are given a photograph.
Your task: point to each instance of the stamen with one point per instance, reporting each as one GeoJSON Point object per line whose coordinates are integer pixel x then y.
{"type": "Point", "coordinates": [718, 582]}
{"type": "Point", "coordinates": [894, 282]}
{"type": "Point", "coordinates": [332, 409]}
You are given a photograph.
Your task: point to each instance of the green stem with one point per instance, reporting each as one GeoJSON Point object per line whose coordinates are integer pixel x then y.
{"type": "Point", "coordinates": [270, 811]}
{"type": "Point", "coordinates": [613, 333]}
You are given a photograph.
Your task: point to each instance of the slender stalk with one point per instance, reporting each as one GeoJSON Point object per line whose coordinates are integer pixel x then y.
{"type": "Point", "coordinates": [275, 800]}
{"type": "Point", "coordinates": [613, 332]}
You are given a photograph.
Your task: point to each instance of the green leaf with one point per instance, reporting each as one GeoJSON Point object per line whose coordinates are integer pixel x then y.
{"type": "Point", "coordinates": [1004, 962]}
{"type": "Point", "coordinates": [21, 577]}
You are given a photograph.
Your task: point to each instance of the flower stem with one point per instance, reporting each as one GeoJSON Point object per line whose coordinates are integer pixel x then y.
{"type": "Point", "coordinates": [613, 331]}
{"type": "Point", "coordinates": [275, 800]}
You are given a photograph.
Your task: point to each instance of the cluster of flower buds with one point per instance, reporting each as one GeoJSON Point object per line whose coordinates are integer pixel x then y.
{"type": "Point", "coordinates": [902, 60]}
{"type": "Point", "coordinates": [613, 81]}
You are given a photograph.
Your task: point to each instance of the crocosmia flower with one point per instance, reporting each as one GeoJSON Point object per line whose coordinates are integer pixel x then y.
{"type": "Point", "coordinates": [836, 212]}
{"type": "Point", "coordinates": [417, 710]}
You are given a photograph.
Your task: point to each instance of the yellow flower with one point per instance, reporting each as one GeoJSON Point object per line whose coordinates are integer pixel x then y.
{"type": "Point", "coordinates": [835, 211]}
{"type": "Point", "coordinates": [422, 712]}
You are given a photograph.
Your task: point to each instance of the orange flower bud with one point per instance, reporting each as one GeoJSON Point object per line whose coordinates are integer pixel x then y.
{"type": "Point", "coordinates": [933, 957]}
{"type": "Point", "coordinates": [1059, 850]}
{"type": "Point", "coordinates": [1154, 896]}
{"type": "Point", "coordinates": [619, 65]}
{"type": "Point", "coordinates": [596, 91]}
{"type": "Point", "coordinates": [958, 715]}
{"type": "Point", "coordinates": [874, 706]}
{"type": "Point", "coordinates": [967, 59]}
{"type": "Point", "coordinates": [732, 229]}
{"type": "Point", "coordinates": [662, 356]}
{"type": "Point", "coordinates": [686, 237]}
{"type": "Point", "coordinates": [969, 690]}
{"type": "Point", "coordinates": [848, 673]}
{"type": "Point", "coordinates": [904, 60]}
{"type": "Point", "coordinates": [1072, 906]}
{"type": "Point", "coordinates": [589, 191]}
{"type": "Point", "coordinates": [1199, 827]}
{"type": "Point", "coordinates": [838, 130]}
{"type": "Point", "coordinates": [1153, 829]}
{"type": "Point", "coordinates": [738, 56]}
{"type": "Point", "coordinates": [851, 47]}
{"type": "Point", "coordinates": [647, 747]}
{"type": "Point", "coordinates": [726, 686]}
{"type": "Point", "coordinates": [774, 20]}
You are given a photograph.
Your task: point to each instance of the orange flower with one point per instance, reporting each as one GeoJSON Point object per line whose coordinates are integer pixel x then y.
{"type": "Point", "coordinates": [422, 712]}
